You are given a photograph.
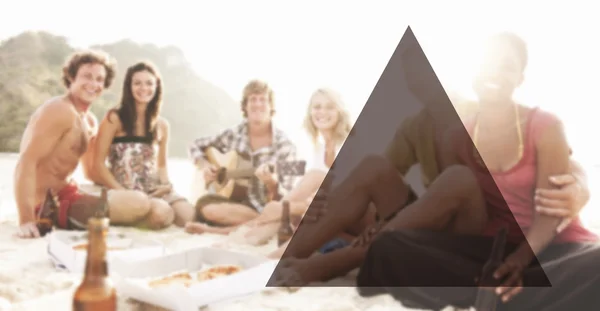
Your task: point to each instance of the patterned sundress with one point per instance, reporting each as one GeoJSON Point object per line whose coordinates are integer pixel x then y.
{"type": "Point", "coordinates": [133, 163]}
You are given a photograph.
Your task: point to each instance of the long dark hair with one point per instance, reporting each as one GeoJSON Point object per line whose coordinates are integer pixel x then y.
{"type": "Point", "coordinates": [127, 112]}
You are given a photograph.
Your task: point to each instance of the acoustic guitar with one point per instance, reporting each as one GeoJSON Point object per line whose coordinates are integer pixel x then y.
{"type": "Point", "coordinates": [234, 172]}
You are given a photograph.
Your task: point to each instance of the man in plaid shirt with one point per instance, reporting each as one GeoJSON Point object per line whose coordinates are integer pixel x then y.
{"type": "Point", "coordinates": [259, 140]}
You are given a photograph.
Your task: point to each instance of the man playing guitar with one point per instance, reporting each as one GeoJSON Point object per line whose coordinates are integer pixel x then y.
{"type": "Point", "coordinates": [262, 144]}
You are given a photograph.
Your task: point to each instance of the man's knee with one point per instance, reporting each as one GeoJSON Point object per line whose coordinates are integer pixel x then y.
{"type": "Point", "coordinates": [376, 167]}
{"type": "Point", "coordinates": [461, 184]}
{"type": "Point", "coordinates": [128, 205]}
{"type": "Point", "coordinates": [184, 212]}
{"type": "Point", "coordinates": [374, 162]}
{"type": "Point", "coordinates": [460, 176]}
{"type": "Point", "coordinates": [213, 212]}
{"type": "Point", "coordinates": [161, 214]}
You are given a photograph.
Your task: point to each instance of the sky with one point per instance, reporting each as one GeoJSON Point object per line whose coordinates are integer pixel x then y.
{"type": "Point", "coordinates": [298, 46]}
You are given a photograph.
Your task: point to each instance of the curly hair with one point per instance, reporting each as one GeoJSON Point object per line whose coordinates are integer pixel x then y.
{"type": "Point", "coordinates": [77, 59]}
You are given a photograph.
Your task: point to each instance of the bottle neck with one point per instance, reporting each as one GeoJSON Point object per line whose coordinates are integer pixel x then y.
{"type": "Point", "coordinates": [498, 246]}
{"type": "Point", "coordinates": [96, 264]}
{"type": "Point", "coordinates": [285, 214]}
{"type": "Point", "coordinates": [102, 208]}
{"type": "Point", "coordinates": [328, 181]}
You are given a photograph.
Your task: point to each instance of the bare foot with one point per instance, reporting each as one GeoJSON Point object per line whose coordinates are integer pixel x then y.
{"type": "Point", "coordinates": [289, 273]}
{"type": "Point", "coordinates": [277, 254]}
{"type": "Point", "coordinates": [261, 235]}
{"type": "Point", "coordinates": [195, 227]}
{"type": "Point", "coordinates": [198, 228]}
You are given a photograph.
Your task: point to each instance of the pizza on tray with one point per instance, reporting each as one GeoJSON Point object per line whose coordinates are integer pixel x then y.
{"type": "Point", "coordinates": [218, 271]}
{"type": "Point", "coordinates": [187, 279]}
{"type": "Point", "coordinates": [182, 277]}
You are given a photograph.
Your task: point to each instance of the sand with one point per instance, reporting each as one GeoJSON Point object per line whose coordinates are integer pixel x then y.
{"type": "Point", "coordinates": [29, 281]}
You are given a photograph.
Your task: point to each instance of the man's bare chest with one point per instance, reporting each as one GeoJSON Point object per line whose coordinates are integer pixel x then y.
{"type": "Point", "coordinates": [78, 137]}
{"type": "Point", "coordinates": [260, 142]}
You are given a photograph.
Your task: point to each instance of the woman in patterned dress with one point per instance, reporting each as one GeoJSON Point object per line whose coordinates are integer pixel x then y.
{"type": "Point", "coordinates": [136, 148]}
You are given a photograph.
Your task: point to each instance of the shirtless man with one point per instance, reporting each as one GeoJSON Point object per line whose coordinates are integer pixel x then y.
{"type": "Point", "coordinates": [56, 140]}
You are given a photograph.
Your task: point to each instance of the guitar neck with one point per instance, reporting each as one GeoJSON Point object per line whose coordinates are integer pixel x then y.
{"type": "Point", "coordinates": [249, 172]}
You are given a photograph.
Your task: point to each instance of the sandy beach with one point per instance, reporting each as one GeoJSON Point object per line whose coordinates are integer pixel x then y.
{"type": "Point", "coordinates": [29, 280]}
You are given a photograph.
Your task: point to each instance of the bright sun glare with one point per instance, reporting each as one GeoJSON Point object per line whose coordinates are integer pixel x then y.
{"type": "Point", "coordinates": [300, 48]}
{"type": "Point", "coordinates": [554, 92]}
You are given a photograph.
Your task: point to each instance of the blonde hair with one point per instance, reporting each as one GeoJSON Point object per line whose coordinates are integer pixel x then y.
{"type": "Point", "coordinates": [342, 128]}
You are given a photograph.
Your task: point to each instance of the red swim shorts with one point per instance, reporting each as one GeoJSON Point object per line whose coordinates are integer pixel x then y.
{"type": "Point", "coordinates": [66, 197]}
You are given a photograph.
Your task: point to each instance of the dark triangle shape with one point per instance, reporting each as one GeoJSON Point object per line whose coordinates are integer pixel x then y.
{"type": "Point", "coordinates": [389, 105]}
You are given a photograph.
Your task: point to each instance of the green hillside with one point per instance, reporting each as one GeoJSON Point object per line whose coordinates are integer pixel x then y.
{"type": "Point", "coordinates": [30, 70]}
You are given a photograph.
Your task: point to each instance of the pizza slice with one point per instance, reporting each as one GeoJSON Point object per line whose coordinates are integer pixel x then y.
{"type": "Point", "coordinates": [218, 271]}
{"type": "Point", "coordinates": [182, 278]}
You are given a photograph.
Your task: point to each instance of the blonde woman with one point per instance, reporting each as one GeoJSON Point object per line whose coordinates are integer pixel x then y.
{"type": "Point", "coordinates": [327, 123]}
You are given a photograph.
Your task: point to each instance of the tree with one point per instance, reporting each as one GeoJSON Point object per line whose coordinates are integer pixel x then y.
{"type": "Point", "coordinates": [30, 74]}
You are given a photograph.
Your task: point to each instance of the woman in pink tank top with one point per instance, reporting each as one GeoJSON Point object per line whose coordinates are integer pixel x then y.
{"type": "Point", "coordinates": [512, 150]}
{"type": "Point", "coordinates": [515, 186]}
{"type": "Point", "coordinates": [492, 171]}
